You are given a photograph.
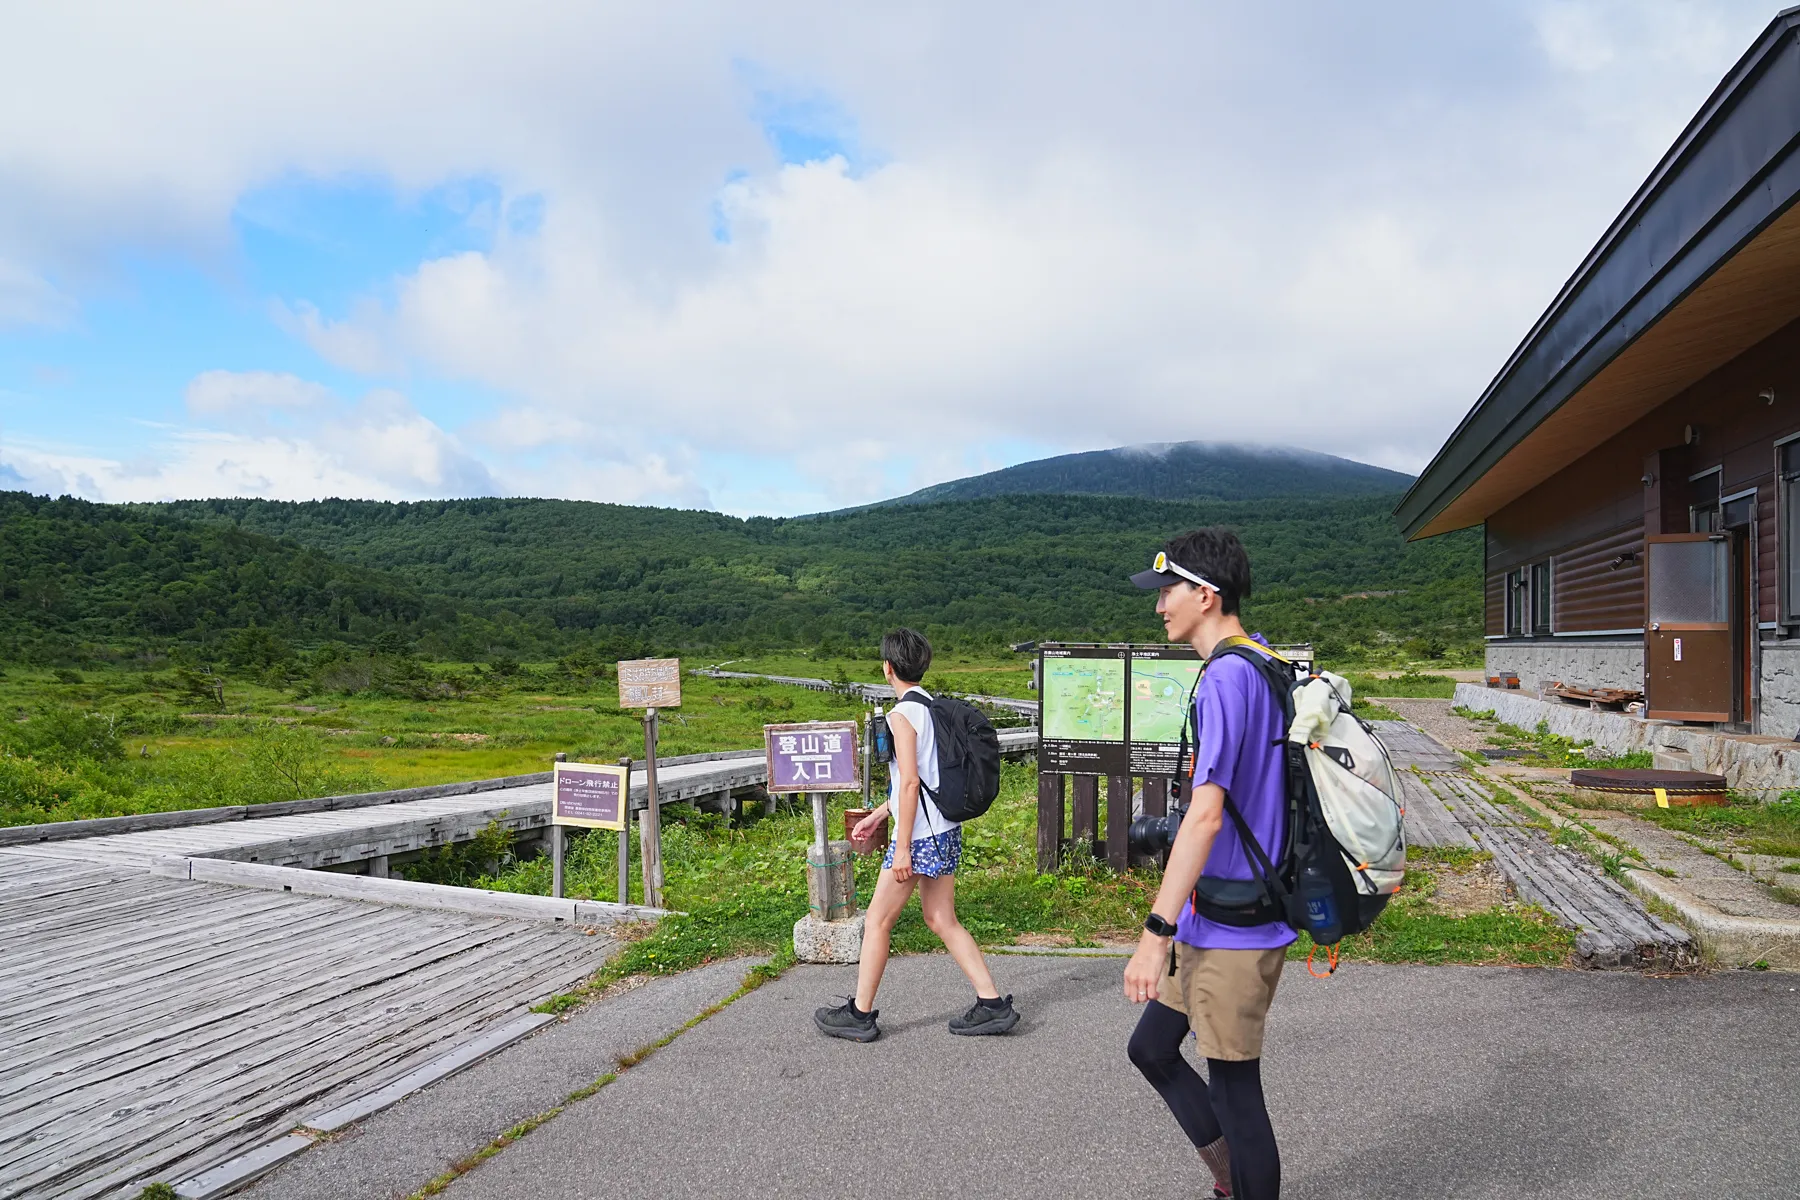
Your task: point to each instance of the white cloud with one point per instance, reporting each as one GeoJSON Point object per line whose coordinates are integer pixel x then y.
{"type": "Point", "coordinates": [235, 393]}
{"type": "Point", "coordinates": [379, 447]}
{"type": "Point", "coordinates": [1068, 227]}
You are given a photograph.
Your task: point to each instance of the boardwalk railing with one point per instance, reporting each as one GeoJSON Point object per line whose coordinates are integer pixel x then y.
{"type": "Point", "coordinates": [873, 693]}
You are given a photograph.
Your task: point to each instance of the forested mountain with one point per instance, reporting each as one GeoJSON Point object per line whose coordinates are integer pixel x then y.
{"type": "Point", "coordinates": [75, 571]}
{"type": "Point", "coordinates": [1176, 471]}
{"type": "Point", "coordinates": [533, 574]}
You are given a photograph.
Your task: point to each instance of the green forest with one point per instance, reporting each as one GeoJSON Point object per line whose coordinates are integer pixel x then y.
{"type": "Point", "coordinates": [499, 579]}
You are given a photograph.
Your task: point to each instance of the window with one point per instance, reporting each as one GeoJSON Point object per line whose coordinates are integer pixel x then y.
{"type": "Point", "coordinates": [1703, 502]}
{"type": "Point", "coordinates": [1515, 604]}
{"type": "Point", "coordinates": [1790, 530]}
{"type": "Point", "coordinates": [1540, 599]}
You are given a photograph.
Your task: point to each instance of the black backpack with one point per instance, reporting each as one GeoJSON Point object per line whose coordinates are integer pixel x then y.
{"type": "Point", "coordinates": [1308, 844]}
{"type": "Point", "coordinates": [968, 755]}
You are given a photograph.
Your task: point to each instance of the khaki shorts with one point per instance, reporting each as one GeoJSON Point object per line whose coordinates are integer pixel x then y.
{"type": "Point", "coordinates": [1225, 995]}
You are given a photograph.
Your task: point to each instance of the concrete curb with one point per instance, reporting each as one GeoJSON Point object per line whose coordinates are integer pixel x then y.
{"type": "Point", "coordinates": [252, 1165]}
{"type": "Point", "coordinates": [1726, 940]}
{"type": "Point", "coordinates": [1064, 951]}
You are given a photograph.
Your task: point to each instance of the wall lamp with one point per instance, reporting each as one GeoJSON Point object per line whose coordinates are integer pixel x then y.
{"type": "Point", "coordinates": [1627, 559]}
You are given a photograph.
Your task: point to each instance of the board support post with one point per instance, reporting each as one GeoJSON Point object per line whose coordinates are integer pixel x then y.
{"type": "Point", "coordinates": [650, 820]}
{"type": "Point", "coordinates": [1118, 822]}
{"type": "Point", "coordinates": [557, 842]}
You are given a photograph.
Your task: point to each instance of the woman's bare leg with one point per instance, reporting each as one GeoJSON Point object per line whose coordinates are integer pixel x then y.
{"type": "Point", "coordinates": [878, 927]}
{"type": "Point", "coordinates": [937, 897]}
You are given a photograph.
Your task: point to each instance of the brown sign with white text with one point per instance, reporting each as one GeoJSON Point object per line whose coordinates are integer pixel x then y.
{"type": "Point", "coordinates": [650, 683]}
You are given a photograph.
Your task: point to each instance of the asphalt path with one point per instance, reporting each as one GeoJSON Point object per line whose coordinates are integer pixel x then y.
{"type": "Point", "coordinates": [1385, 1082]}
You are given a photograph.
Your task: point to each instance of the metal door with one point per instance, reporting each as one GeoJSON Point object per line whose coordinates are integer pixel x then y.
{"type": "Point", "coordinates": [1688, 667]}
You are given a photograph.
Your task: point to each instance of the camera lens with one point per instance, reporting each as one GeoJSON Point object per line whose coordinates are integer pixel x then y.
{"type": "Point", "coordinates": [1150, 835]}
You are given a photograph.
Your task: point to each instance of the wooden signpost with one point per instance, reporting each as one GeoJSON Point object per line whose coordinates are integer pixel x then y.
{"type": "Point", "coordinates": [650, 684]}
{"type": "Point", "coordinates": [590, 796]}
{"type": "Point", "coordinates": [818, 758]}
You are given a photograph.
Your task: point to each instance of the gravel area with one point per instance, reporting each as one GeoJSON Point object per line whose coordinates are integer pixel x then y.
{"type": "Point", "coordinates": [1435, 718]}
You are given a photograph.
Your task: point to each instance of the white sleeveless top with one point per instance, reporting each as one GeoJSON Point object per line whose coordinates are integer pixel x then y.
{"type": "Point", "coordinates": [928, 821]}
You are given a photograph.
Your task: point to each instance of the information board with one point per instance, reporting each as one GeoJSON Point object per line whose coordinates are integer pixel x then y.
{"type": "Point", "coordinates": [1162, 687]}
{"type": "Point", "coordinates": [1113, 710]}
{"type": "Point", "coordinates": [650, 683]}
{"type": "Point", "coordinates": [592, 795]}
{"type": "Point", "coordinates": [1082, 709]}
{"type": "Point", "coordinates": [819, 756]}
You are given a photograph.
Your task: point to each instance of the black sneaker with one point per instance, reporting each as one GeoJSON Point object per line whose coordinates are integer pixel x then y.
{"type": "Point", "coordinates": [981, 1020]}
{"type": "Point", "coordinates": [845, 1022]}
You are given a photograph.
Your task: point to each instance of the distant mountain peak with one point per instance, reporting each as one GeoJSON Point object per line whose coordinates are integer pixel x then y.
{"type": "Point", "coordinates": [1175, 471]}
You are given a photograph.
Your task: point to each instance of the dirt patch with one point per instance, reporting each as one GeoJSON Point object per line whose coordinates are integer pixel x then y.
{"type": "Point", "coordinates": [1465, 891]}
{"type": "Point", "coordinates": [1045, 939]}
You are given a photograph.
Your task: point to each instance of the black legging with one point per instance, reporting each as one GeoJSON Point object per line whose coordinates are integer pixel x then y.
{"type": "Point", "coordinates": [1230, 1105]}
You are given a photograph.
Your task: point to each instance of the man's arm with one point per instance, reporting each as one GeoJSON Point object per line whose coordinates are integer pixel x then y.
{"type": "Point", "coordinates": [1193, 845]}
{"type": "Point", "coordinates": [906, 761]}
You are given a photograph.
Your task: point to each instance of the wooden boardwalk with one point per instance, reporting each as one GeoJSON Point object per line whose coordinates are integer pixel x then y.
{"type": "Point", "coordinates": [1446, 805]}
{"type": "Point", "coordinates": [150, 1027]}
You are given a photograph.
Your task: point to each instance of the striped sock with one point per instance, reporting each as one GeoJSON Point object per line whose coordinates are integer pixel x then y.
{"type": "Point", "coordinates": [1218, 1160]}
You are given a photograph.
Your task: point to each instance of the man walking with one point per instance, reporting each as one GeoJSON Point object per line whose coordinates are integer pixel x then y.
{"type": "Point", "coordinates": [924, 854]}
{"type": "Point", "coordinates": [1191, 973]}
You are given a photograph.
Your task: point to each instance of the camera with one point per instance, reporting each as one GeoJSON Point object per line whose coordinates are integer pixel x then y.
{"type": "Point", "coordinates": [1151, 835]}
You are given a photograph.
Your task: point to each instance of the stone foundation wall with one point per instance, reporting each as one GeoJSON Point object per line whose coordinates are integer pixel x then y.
{"type": "Point", "coordinates": [1762, 765]}
{"type": "Point", "coordinates": [1780, 688]}
{"type": "Point", "coordinates": [1571, 661]}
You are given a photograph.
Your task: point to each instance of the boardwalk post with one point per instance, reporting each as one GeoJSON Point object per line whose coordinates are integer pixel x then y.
{"type": "Point", "coordinates": [625, 841]}
{"type": "Point", "coordinates": [1049, 822]}
{"type": "Point", "coordinates": [1118, 822]}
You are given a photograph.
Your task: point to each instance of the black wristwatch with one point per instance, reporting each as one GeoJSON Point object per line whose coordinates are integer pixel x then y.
{"type": "Point", "coordinates": [1159, 927]}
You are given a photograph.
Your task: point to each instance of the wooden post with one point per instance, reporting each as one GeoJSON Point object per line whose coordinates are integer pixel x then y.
{"type": "Point", "coordinates": [1118, 822]}
{"type": "Point", "coordinates": [1156, 804]}
{"type": "Point", "coordinates": [378, 866]}
{"type": "Point", "coordinates": [556, 861]}
{"type": "Point", "coordinates": [1084, 809]}
{"type": "Point", "coordinates": [650, 820]}
{"type": "Point", "coordinates": [625, 839]}
{"type": "Point", "coordinates": [821, 828]}
{"type": "Point", "coordinates": [1050, 822]}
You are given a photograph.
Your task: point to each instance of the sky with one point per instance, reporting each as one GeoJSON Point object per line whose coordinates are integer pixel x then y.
{"type": "Point", "coordinates": [784, 257]}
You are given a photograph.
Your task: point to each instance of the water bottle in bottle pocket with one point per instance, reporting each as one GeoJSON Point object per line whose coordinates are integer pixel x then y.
{"type": "Point", "coordinates": [1322, 920]}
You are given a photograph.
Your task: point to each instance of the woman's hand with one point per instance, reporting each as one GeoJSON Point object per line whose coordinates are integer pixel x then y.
{"type": "Point", "coordinates": [1145, 970]}
{"type": "Point", "coordinates": [902, 862]}
{"type": "Point", "coordinates": [866, 829]}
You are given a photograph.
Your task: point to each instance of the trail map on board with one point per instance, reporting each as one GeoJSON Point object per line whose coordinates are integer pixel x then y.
{"type": "Point", "coordinates": [1159, 697]}
{"type": "Point", "coordinates": [1084, 699]}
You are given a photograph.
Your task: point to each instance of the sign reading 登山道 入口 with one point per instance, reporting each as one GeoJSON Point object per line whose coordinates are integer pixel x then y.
{"type": "Point", "coordinates": [819, 756]}
{"type": "Point", "coordinates": [592, 795]}
{"type": "Point", "coordinates": [650, 683]}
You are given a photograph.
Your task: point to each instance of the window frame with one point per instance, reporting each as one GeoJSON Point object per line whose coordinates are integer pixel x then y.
{"type": "Point", "coordinates": [1541, 599]}
{"type": "Point", "coordinates": [1787, 529]}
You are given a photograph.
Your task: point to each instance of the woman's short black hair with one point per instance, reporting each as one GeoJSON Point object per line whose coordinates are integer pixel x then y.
{"type": "Point", "coordinates": [908, 653]}
{"type": "Point", "coordinates": [1215, 553]}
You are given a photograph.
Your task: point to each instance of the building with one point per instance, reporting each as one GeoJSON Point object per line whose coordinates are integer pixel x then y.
{"type": "Point", "coordinates": [1636, 462]}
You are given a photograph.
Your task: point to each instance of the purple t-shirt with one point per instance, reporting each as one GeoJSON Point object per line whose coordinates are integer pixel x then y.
{"type": "Point", "coordinates": [1240, 724]}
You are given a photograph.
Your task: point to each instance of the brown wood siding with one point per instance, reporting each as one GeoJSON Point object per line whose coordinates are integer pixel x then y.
{"type": "Point", "coordinates": [1496, 603]}
{"type": "Point", "coordinates": [1590, 594]}
{"type": "Point", "coordinates": [1603, 493]}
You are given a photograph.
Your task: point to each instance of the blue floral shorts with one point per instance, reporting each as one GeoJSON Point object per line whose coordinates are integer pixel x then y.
{"type": "Point", "coordinates": [934, 856]}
